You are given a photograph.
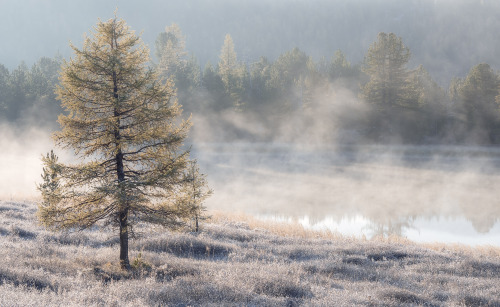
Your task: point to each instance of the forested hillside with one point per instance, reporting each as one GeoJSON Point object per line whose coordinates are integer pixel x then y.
{"type": "Point", "coordinates": [294, 98]}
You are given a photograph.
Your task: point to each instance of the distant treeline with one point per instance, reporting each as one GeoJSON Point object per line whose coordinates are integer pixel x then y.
{"type": "Point", "coordinates": [379, 100]}
{"type": "Point", "coordinates": [27, 94]}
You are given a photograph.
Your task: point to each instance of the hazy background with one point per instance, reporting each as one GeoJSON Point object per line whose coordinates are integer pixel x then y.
{"type": "Point", "coordinates": [447, 36]}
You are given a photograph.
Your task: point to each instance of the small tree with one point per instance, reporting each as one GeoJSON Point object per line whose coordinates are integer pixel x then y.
{"type": "Point", "coordinates": [197, 192]}
{"type": "Point", "coordinates": [122, 122]}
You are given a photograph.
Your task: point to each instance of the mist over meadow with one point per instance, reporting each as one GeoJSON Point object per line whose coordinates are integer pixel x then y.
{"type": "Point", "coordinates": [292, 125]}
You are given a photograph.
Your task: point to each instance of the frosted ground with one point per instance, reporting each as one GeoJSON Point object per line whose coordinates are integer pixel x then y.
{"type": "Point", "coordinates": [235, 260]}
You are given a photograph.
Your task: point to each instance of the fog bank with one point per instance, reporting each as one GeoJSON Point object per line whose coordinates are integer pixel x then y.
{"type": "Point", "coordinates": [20, 160]}
{"type": "Point", "coordinates": [389, 185]}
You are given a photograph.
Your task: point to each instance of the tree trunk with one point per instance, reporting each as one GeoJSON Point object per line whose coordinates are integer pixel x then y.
{"type": "Point", "coordinates": [124, 261]}
{"type": "Point", "coordinates": [123, 214]}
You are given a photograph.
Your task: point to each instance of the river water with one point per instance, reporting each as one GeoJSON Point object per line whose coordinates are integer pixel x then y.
{"type": "Point", "coordinates": [425, 193]}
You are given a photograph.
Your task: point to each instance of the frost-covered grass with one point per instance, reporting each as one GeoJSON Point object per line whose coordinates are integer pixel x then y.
{"type": "Point", "coordinates": [235, 261]}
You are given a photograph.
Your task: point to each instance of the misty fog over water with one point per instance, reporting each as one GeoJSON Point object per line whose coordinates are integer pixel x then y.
{"type": "Point", "coordinates": [424, 193]}
{"type": "Point", "coordinates": [431, 193]}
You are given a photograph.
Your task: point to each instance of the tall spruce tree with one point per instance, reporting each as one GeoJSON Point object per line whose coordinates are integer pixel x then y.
{"type": "Point", "coordinates": [388, 89]}
{"type": "Point", "coordinates": [123, 124]}
{"type": "Point", "coordinates": [385, 64]}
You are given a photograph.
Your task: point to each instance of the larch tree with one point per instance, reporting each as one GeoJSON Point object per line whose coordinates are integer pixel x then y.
{"type": "Point", "coordinates": [196, 192]}
{"type": "Point", "coordinates": [122, 122]}
{"type": "Point", "coordinates": [228, 64]}
{"type": "Point", "coordinates": [231, 72]}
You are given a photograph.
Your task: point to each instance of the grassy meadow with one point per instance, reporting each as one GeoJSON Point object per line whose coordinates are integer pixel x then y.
{"type": "Point", "coordinates": [235, 261]}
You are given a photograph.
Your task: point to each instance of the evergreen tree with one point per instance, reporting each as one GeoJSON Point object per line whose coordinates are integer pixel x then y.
{"type": "Point", "coordinates": [287, 80]}
{"type": "Point", "coordinates": [478, 99]}
{"type": "Point", "coordinates": [42, 82]}
{"type": "Point", "coordinates": [339, 66]}
{"type": "Point", "coordinates": [340, 70]}
{"type": "Point", "coordinates": [388, 89]}
{"type": "Point", "coordinates": [4, 79]}
{"type": "Point", "coordinates": [385, 64]}
{"type": "Point", "coordinates": [427, 105]}
{"type": "Point", "coordinates": [44, 77]}
{"type": "Point", "coordinates": [122, 122]}
{"type": "Point", "coordinates": [454, 90]}
{"type": "Point", "coordinates": [212, 82]}
{"type": "Point", "coordinates": [18, 91]}
{"type": "Point", "coordinates": [259, 75]}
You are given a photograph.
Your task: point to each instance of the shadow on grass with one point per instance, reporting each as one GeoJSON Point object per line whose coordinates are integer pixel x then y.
{"type": "Point", "coordinates": [196, 292]}
{"type": "Point", "coordinates": [25, 280]}
{"type": "Point", "coordinates": [173, 271]}
{"type": "Point", "coordinates": [282, 287]}
{"type": "Point", "coordinates": [402, 297]}
{"type": "Point", "coordinates": [471, 301]}
{"type": "Point", "coordinates": [23, 234]}
{"type": "Point", "coordinates": [3, 231]}
{"type": "Point", "coordinates": [188, 247]}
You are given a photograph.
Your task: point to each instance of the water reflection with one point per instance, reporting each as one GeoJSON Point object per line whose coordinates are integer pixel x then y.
{"type": "Point", "coordinates": [393, 189]}
{"type": "Point", "coordinates": [392, 226]}
{"type": "Point", "coordinates": [418, 229]}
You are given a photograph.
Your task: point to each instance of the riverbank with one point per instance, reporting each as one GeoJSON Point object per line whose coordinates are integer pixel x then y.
{"type": "Point", "coordinates": [235, 260]}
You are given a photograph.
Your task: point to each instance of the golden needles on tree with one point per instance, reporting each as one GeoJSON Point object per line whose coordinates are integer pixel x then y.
{"type": "Point", "coordinates": [232, 73]}
{"type": "Point", "coordinates": [122, 121]}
